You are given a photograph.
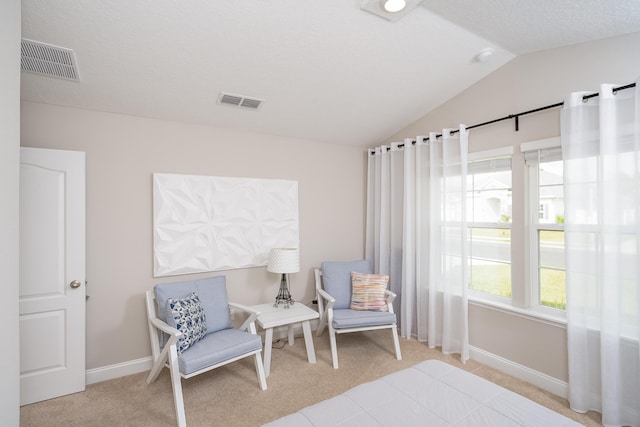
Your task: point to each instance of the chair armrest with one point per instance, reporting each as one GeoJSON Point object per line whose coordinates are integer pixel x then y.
{"type": "Point", "coordinates": [164, 327]}
{"type": "Point", "coordinates": [330, 300]}
{"type": "Point", "coordinates": [326, 314]}
{"type": "Point", "coordinates": [168, 353]}
{"type": "Point", "coordinates": [249, 323]}
{"type": "Point", "coordinates": [390, 296]}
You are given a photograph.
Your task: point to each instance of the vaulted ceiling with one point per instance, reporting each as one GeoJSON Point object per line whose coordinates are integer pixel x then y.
{"type": "Point", "coordinates": [324, 70]}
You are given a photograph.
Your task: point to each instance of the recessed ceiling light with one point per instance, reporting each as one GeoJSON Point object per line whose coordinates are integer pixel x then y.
{"type": "Point", "coordinates": [394, 6]}
{"type": "Point", "coordinates": [391, 10]}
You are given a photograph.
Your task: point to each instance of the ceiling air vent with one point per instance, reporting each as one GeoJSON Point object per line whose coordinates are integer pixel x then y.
{"type": "Point", "coordinates": [48, 60]}
{"type": "Point", "coordinates": [240, 101]}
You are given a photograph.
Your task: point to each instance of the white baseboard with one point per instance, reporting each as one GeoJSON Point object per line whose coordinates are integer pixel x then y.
{"type": "Point", "coordinates": [539, 379]}
{"type": "Point", "coordinates": [118, 370]}
{"type": "Point", "coordinates": [131, 367]}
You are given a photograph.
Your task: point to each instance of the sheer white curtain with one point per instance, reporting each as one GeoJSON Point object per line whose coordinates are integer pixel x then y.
{"type": "Point", "coordinates": [417, 233]}
{"type": "Point", "coordinates": [384, 207]}
{"type": "Point", "coordinates": [601, 152]}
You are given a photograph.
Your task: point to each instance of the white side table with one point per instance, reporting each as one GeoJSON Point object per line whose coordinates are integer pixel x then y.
{"type": "Point", "coordinates": [271, 317]}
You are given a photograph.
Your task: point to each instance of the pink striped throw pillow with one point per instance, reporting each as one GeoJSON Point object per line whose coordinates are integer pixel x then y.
{"type": "Point", "coordinates": [368, 291]}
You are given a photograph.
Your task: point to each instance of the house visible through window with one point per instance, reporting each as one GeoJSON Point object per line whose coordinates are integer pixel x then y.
{"type": "Point", "coordinates": [489, 203]}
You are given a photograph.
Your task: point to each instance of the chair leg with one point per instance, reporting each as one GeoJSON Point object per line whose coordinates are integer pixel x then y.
{"type": "Point", "coordinates": [158, 364]}
{"type": "Point", "coordinates": [321, 324]}
{"type": "Point", "coordinates": [394, 330]}
{"type": "Point", "coordinates": [260, 371]}
{"type": "Point", "coordinates": [176, 385]}
{"type": "Point", "coordinates": [334, 350]}
{"type": "Point", "coordinates": [155, 370]}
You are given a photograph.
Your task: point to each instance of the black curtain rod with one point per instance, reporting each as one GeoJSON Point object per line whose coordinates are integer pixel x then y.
{"type": "Point", "coordinates": [535, 110]}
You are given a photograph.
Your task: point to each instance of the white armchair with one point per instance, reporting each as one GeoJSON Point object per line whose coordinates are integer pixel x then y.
{"type": "Point", "coordinates": [333, 290]}
{"type": "Point", "coordinates": [187, 346]}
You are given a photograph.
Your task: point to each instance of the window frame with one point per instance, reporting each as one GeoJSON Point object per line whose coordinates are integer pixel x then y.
{"type": "Point", "coordinates": [498, 154]}
{"type": "Point", "coordinates": [533, 226]}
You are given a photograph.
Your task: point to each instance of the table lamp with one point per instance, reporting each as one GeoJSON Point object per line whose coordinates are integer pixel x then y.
{"type": "Point", "coordinates": [284, 261]}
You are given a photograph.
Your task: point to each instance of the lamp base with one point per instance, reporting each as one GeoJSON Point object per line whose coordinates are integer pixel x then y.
{"type": "Point", "coordinates": [284, 297]}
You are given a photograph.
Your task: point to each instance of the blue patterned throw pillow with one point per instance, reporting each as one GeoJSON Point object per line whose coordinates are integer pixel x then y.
{"type": "Point", "coordinates": [187, 316]}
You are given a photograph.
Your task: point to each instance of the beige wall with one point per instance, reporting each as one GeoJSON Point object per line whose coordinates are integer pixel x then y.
{"type": "Point", "coordinates": [122, 153]}
{"type": "Point", "coordinates": [525, 83]}
{"type": "Point", "coordinates": [9, 207]}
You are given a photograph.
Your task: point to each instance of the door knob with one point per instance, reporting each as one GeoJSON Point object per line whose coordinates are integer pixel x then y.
{"type": "Point", "coordinates": [75, 284]}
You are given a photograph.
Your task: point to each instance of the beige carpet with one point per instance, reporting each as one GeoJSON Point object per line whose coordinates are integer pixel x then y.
{"type": "Point", "coordinates": [230, 396]}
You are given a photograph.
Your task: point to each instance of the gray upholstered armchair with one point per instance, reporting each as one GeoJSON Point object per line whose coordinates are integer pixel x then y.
{"type": "Point", "coordinates": [191, 333]}
{"type": "Point", "coordinates": [334, 293]}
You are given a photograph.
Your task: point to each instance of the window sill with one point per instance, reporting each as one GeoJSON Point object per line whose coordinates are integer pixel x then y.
{"type": "Point", "coordinates": [537, 316]}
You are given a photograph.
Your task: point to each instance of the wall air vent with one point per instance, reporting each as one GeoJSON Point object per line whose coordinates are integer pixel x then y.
{"type": "Point", "coordinates": [48, 60]}
{"type": "Point", "coordinates": [240, 101]}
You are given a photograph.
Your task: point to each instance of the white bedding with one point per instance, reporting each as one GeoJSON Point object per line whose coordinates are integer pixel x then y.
{"type": "Point", "coordinates": [431, 393]}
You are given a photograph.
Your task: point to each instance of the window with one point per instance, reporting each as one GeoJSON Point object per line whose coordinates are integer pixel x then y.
{"type": "Point", "coordinates": [546, 261]}
{"type": "Point", "coordinates": [489, 203]}
{"type": "Point", "coordinates": [533, 278]}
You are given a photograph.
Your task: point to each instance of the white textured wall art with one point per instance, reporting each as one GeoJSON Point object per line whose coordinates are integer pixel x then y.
{"type": "Point", "coordinates": [207, 223]}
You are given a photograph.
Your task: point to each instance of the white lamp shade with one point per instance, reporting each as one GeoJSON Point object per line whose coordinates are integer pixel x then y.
{"type": "Point", "coordinates": [284, 260]}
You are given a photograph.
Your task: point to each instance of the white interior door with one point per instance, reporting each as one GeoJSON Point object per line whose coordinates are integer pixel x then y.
{"type": "Point", "coordinates": [52, 273]}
